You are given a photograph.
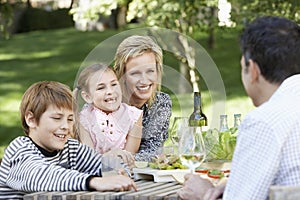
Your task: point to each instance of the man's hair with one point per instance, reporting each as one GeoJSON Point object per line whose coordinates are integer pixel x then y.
{"type": "Point", "coordinates": [274, 44]}
{"type": "Point", "coordinates": [131, 47]}
{"type": "Point", "coordinates": [40, 95]}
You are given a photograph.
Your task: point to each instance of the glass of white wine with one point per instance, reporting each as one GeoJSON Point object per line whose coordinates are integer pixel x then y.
{"type": "Point", "coordinates": [178, 125]}
{"type": "Point", "coordinates": [191, 147]}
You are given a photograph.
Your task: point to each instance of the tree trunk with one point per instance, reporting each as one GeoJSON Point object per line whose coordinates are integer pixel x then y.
{"type": "Point", "coordinates": [184, 71]}
{"type": "Point", "coordinates": [190, 61]}
{"type": "Point", "coordinates": [28, 4]}
{"type": "Point", "coordinates": [113, 19]}
{"type": "Point", "coordinates": [211, 28]}
{"type": "Point", "coordinates": [121, 16]}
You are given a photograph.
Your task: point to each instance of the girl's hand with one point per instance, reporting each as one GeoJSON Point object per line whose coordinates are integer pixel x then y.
{"type": "Point", "coordinates": [126, 156]}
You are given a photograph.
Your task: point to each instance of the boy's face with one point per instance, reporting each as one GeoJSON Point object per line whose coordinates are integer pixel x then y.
{"type": "Point", "coordinates": [54, 128]}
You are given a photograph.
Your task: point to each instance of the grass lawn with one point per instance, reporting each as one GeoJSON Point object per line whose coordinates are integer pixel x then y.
{"type": "Point", "coordinates": [57, 54]}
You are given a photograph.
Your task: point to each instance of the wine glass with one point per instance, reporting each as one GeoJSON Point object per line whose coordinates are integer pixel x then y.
{"type": "Point", "coordinates": [191, 147]}
{"type": "Point", "coordinates": [177, 128]}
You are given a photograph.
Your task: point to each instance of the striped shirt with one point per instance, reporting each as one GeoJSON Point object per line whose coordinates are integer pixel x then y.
{"type": "Point", "coordinates": [25, 168]}
{"type": "Point", "coordinates": [268, 146]}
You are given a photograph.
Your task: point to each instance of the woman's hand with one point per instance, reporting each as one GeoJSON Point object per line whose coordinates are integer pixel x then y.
{"type": "Point", "coordinates": [112, 183]}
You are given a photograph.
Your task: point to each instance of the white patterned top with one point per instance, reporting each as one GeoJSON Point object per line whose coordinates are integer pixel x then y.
{"type": "Point", "coordinates": [156, 120]}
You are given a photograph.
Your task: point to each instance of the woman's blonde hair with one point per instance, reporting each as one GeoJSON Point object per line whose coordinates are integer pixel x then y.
{"type": "Point", "coordinates": [135, 46]}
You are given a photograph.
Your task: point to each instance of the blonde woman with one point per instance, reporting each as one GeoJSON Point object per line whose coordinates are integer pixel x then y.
{"type": "Point", "coordinates": [138, 66]}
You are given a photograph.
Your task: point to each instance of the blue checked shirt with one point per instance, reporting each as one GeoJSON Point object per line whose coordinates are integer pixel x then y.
{"type": "Point", "coordinates": [268, 146]}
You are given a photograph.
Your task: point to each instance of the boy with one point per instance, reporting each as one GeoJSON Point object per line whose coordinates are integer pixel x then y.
{"type": "Point", "coordinates": [46, 159]}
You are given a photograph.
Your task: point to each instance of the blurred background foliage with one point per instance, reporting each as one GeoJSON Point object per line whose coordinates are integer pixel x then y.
{"type": "Point", "coordinates": [49, 39]}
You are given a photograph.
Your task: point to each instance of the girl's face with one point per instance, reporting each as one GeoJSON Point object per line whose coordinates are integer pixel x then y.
{"type": "Point", "coordinates": [105, 91]}
{"type": "Point", "coordinates": [53, 129]}
{"type": "Point", "coordinates": [141, 77]}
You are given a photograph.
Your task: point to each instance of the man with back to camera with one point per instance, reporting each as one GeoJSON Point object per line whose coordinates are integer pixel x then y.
{"type": "Point", "coordinates": [267, 151]}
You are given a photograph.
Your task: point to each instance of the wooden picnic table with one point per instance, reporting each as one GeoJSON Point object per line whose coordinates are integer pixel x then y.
{"type": "Point", "coordinates": [146, 190]}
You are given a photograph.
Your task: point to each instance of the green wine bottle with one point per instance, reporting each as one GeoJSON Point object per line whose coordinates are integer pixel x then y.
{"type": "Point", "coordinates": [198, 118]}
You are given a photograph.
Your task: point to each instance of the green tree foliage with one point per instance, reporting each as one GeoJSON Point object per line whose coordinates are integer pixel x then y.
{"type": "Point", "coordinates": [244, 11]}
{"type": "Point", "coordinates": [6, 17]}
{"type": "Point", "coordinates": [92, 10]}
{"type": "Point", "coordinates": [187, 18]}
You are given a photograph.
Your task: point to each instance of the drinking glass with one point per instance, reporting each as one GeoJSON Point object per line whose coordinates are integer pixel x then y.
{"type": "Point", "coordinates": [177, 128]}
{"type": "Point", "coordinates": [191, 147]}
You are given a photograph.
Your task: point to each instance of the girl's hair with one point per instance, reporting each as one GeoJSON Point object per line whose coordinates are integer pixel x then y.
{"type": "Point", "coordinates": [83, 85]}
{"type": "Point", "coordinates": [40, 95]}
{"type": "Point", "coordinates": [135, 46]}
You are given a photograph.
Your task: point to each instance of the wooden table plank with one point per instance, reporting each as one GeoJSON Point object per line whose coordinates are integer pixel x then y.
{"type": "Point", "coordinates": [146, 190]}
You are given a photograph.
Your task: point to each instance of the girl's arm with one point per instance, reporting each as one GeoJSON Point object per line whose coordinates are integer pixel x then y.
{"type": "Point", "coordinates": [134, 137]}
{"type": "Point", "coordinates": [85, 137]}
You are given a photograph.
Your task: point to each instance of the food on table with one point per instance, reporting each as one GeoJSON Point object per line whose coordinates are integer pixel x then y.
{"type": "Point", "coordinates": [201, 170]}
{"type": "Point", "coordinates": [141, 164]}
{"type": "Point", "coordinates": [215, 173]}
{"type": "Point", "coordinates": [167, 162]}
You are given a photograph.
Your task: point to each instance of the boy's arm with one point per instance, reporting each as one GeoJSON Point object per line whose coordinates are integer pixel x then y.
{"type": "Point", "coordinates": [29, 171]}
{"type": "Point", "coordinates": [116, 183]}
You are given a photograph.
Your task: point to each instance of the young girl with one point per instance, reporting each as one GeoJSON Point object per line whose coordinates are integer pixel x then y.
{"type": "Point", "coordinates": [105, 122]}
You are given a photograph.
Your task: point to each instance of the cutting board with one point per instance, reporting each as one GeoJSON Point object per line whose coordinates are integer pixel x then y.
{"type": "Point", "coordinates": [157, 175]}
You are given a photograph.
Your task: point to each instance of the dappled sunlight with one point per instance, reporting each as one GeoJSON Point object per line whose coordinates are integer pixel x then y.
{"type": "Point", "coordinates": [29, 55]}
{"type": "Point", "coordinates": [9, 119]}
{"type": "Point", "coordinates": [5, 73]}
{"type": "Point", "coordinates": [9, 105]}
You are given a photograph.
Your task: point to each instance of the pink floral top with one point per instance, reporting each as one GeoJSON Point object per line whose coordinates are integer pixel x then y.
{"type": "Point", "coordinates": [109, 130]}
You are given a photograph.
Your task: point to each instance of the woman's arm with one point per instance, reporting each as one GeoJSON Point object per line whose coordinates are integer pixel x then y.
{"type": "Point", "coordinates": [134, 137]}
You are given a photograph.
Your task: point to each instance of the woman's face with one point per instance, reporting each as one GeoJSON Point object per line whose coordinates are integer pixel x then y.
{"type": "Point", "coordinates": [141, 77]}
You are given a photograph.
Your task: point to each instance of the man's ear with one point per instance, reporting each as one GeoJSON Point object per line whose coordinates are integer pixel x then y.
{"type": "Point", "coordinates": [86, 97]}
{"type": "Point", "coordinates": [254, 70]}
{"type": "Point", "coordinates": [30, 120]}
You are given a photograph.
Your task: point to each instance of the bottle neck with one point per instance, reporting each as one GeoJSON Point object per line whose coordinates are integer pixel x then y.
{"type": "Point", "coordinates": [197, 103]}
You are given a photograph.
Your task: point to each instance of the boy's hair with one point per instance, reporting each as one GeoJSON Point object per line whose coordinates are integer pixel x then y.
{"type": "Point", "coordinates": [274, 44]}
{"type": "Point", "coordinates": [135, 46]}
{"type": "Point", "coordinates": [40, 95]}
